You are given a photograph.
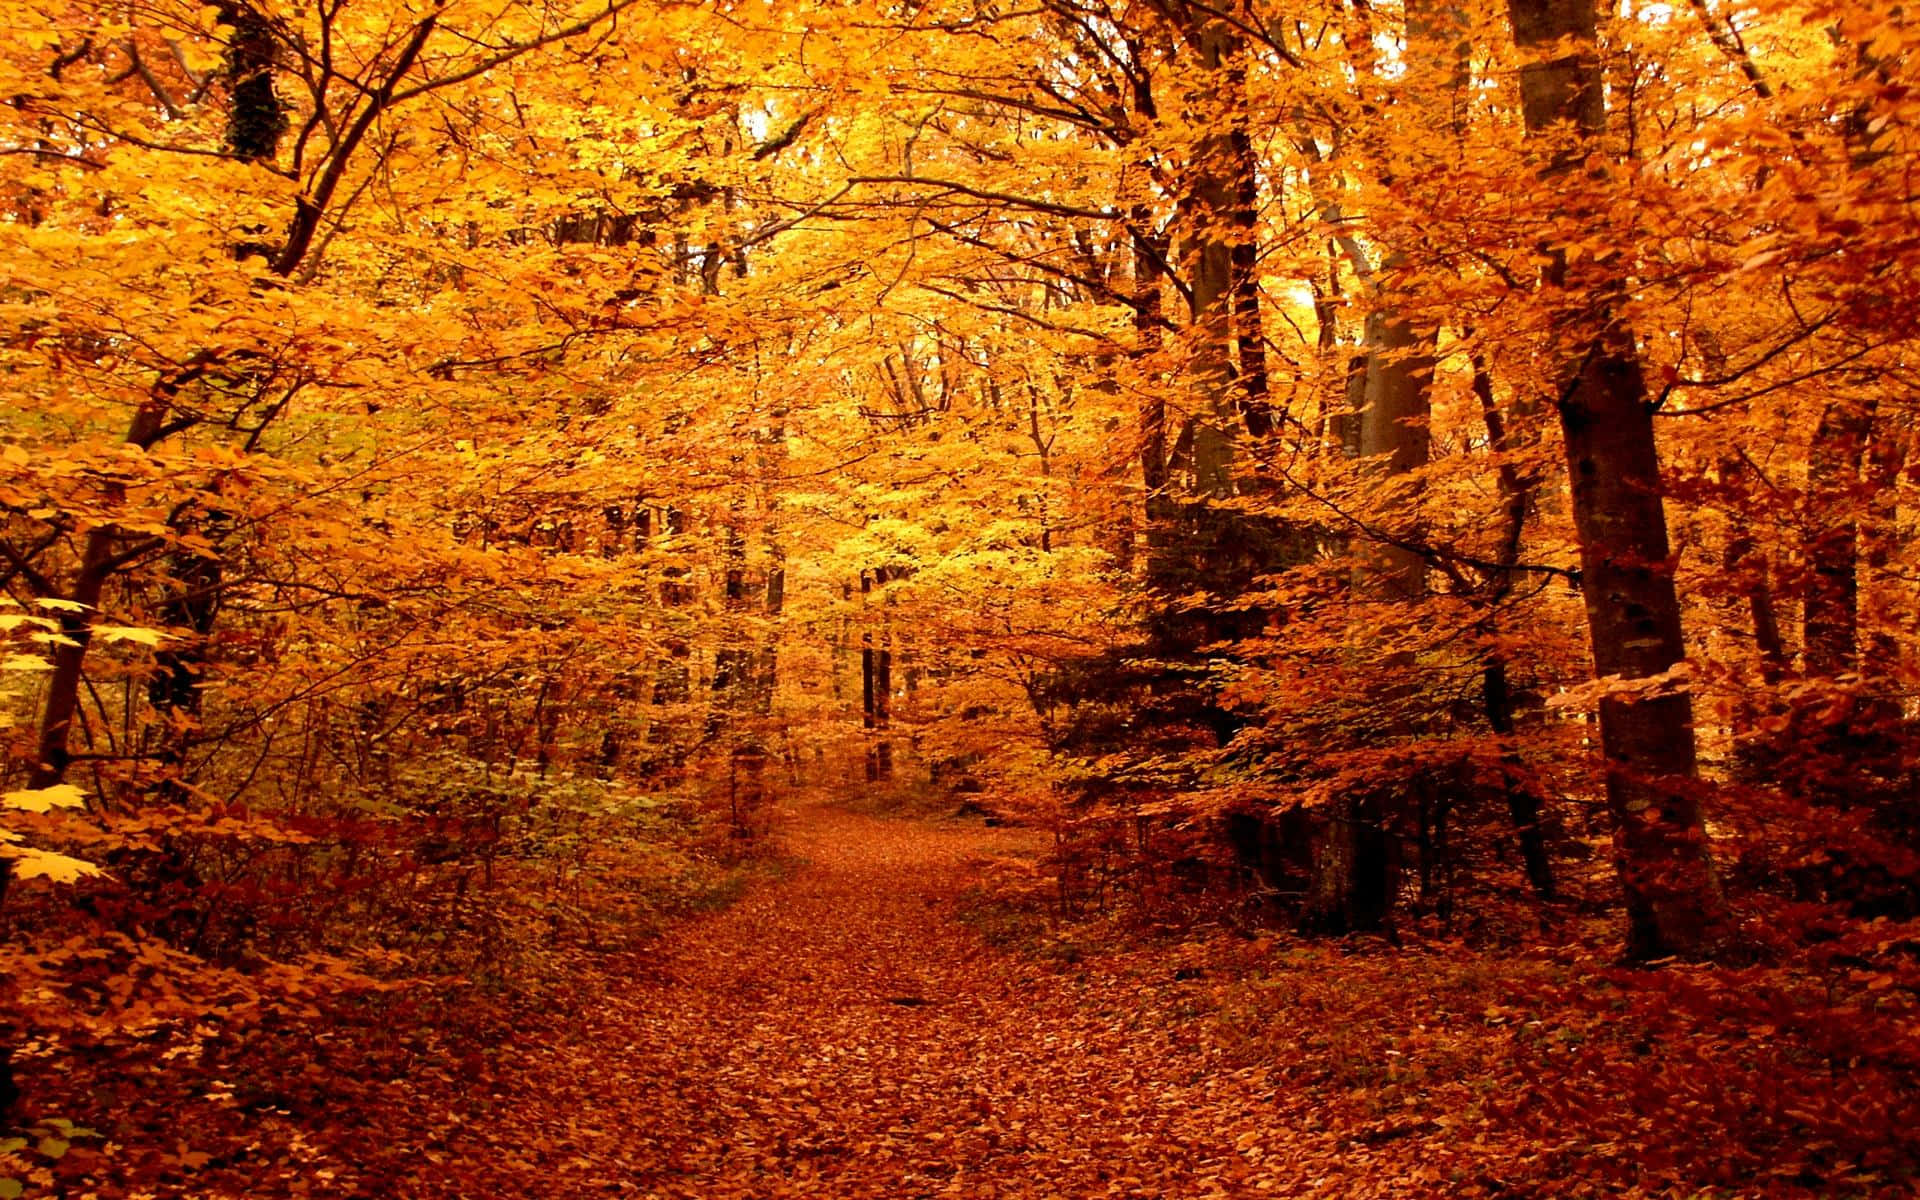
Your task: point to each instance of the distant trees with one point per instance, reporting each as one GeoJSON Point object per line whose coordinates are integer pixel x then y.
{"type": "Point", "coordinates": [1438, 221]}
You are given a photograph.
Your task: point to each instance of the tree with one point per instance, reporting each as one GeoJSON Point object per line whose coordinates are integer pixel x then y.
{"type": "Point", "coordinates": [1613, 468]}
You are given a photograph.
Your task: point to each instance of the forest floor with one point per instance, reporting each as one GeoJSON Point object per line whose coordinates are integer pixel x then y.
{"type": "Point", "coordinates": [841, 1033]}
{"type": "Point", "coordinates": [863, 1024]}
{"type": "Point", "coordinates": [867, 1026]}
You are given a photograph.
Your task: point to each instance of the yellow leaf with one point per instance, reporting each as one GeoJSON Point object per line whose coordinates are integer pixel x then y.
{"type": "Point", "coordinates": [60, 795]}
{"type": "Point", "coordinates": [128, 633]}
{"type": "Point", "coordinates": [58, 867]}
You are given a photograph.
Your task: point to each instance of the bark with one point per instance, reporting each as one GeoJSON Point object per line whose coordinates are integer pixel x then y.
{"type": "Point", "coordinates": [883, 711]}
{"type": "Point", "coordinates": [1243, 262]}
{"type": "Point", "coordinates": [189, 613]}
{"type": "Point", "coordinates": [52, 751]}
{"type": "Point", "coordinates": [1207, 213]}
{"type": "Point", "coordinates": [673, 677]}
{"type": "Point", "coordinates": [1523, 806]}
{"type": "Point", "coordinates": [876, 686]}
{"type": "Point", "coordinates": [1756, 752]}
{"type": "Point", "coordinates": [1516, 492]}
{"type": "Point", "coordinates": [1352, 887]}
{"type": "Point", "coordinates": [774, 598]}
{"type": "Point", "coordinates": [733, 663]}
{"type": "Point", "coordinates": [104, 552]}
{"type": "Point", "coordinates": [256, 118]}
{"type": "Point", "coordinates": [1147, 282]}
{"type": "Point", "coordinates": [1397, 402]}
{"type": "Point", "coordinates": [1845, 743]}
{"type": "Point", "coordinates": [1352, 880]}
{"type": "Point", "coordinates": [1633, 615]}
{"type": "Point", "coordinates": [1673, 901]}
{"type": "Point", "coordinates": [1889, 448]}
{"type": "Point", "coordinates": [1831, 616]}
{"type": "Point", "coordinates": [1747, 566]}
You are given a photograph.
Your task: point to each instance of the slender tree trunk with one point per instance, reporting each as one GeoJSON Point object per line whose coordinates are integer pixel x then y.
{"type": "Point", "coordinates": [101, 556]}
{"type": "Point", "coordinates": [1516, 493]}
{"type": "Point", "coordinates": [1756, 750]}
{"type": "Point", "coordinates": [673, 677]}
{"type": "Point", "coordinates": [883, 707]}
{"type": "Point", "coordinates": [179, 667]}
{"type": "Point", "coordinates": [876, 686]}
{"type": "Point", "coordinates": [1889, 447]}
{"type": "Point", "coordinates": [256, 123]}
{"type": "Point", "coordinates": [52, 753]}
{"type": "Point", "coordinates": [1148, 256]}
{"type": "Point", "coordinates": [1352, 879]}
{"type": "Point", "coordinates": [1831, 617]}
{"type": "Point", "coordinates": [1747, 566]}
{"type": "Point", "coordinates": [1243, 261]}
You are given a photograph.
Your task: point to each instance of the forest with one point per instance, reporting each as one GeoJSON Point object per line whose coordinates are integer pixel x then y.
{"type": "Point", "coordinates": [897, 598]}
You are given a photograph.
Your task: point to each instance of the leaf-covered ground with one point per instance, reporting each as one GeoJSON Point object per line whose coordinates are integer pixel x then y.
{"type": "Point", "coordinates": [841, 1033]}
{"type": "Point", "coordinates": [860, 1026]}
{"type": "Point", "coordinates": [844, 1032]}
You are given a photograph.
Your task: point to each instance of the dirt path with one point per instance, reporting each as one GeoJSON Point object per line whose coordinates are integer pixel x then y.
{"type": "Point", "coordinates": [839, 1033]}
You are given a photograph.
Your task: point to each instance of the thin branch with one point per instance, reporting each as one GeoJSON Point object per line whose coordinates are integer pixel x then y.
{"type": "Point", "coordinates": [512, 51]}
{"type": "Point", "coordinates": [1050, 207]}
{"type": "Point", "coordinates": [22, 564]}
{"type": "Point", "coordinates": [55, 155]}
{"type": "Point", "coordinates": [153, 83]}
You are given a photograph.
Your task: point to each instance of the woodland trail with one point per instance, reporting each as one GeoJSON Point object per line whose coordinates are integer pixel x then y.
{"type": "Point", "coordinates": [839, 1033]}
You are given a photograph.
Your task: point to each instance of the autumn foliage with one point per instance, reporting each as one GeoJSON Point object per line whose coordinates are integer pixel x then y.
{"type": "Point", "coordinates": [1405, 510]}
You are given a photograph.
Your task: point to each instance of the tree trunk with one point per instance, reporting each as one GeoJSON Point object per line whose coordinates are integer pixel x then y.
{"type": "Point", "coordinates": [1207, 215]}
{"type": "Point", "coordinates": [1633, 612]}
{"type": "Point", "coordinates": [1633, 615]}
{"type": "Point", "coordinates": [1831, 617]}
{"type": "Point", "coordinates": [1243, 260]}
{"type": "Point", "coordinates": [1352, 887]}
{"type": "Point", "coordinates": [179, 667]}
{"type": "Point", "coordinates": [1394, 436]}
{"type": "Point", "coordinates": [1516, 493]}
{"type": "Point", "coordinates": [1353, 871]}
{"type": "Point", "coordinates": [876, 686]}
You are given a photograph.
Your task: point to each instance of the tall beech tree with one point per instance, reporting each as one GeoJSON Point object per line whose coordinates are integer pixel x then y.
{"type": "Point", "coordinates": [1626, 570]}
